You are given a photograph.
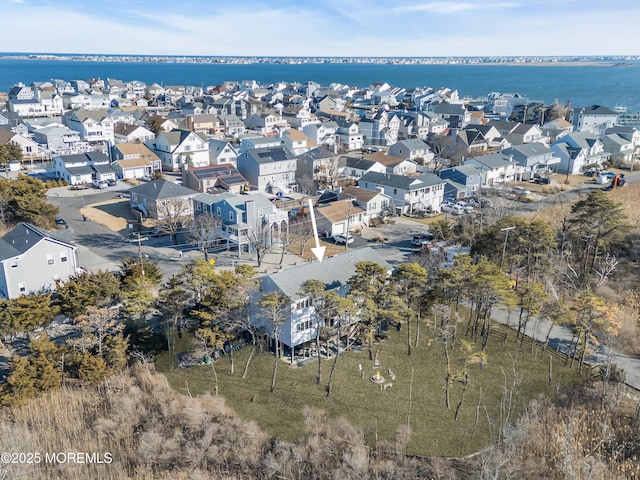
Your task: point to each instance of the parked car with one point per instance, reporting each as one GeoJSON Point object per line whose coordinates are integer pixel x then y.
{"type": "Point", "coordinates": [420, 239]}
{"type": "Point", "coordinates": [99, 184]}
{"type": "Point", "coordinates": [61, 222]}
{"type": "Point", "coordinates": [146, 178]}
{"type": "Point", "coordinates": [590, 172]}
{"type": "Point", "coordinates": [451, 208]}
{"type": "Point", "coordinates": [465, 206]}
{"type": "Point", "coordinates": [542, 180]}
{"type": "Point", "coordinates": [344, 239]}
{"type": "Point", "coordinates": [518, 190]}
{"type": "Point", "coordinates": [111, 182]}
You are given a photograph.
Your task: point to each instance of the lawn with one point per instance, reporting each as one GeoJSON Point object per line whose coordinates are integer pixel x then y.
{"type": "Point", "coordinates": [383, 413]}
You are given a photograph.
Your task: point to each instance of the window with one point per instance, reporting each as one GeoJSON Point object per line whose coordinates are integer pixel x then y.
{"type": "Point", "coordinates": [395, 191]}
{"type": "Point", "coordinates": [14, 265]}
{"type": "Point", "coordinates": [50, 260]}
{"type": "Point", "coordinates": [22, 287]}
{"type": "Point", "coordinates": [187, 147]}
{"type": "Point", "coordinates": [198, 206]}
{"type": "Point", "coordinates": [219, 211]}
{"type": "Point", "coordinates": [230, 215]}
{"type": "Point", "coordinates": [63, 257]}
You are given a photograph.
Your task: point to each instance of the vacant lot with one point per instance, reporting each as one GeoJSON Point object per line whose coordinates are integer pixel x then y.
{"type": "Point", "coordinates": [496, 392]}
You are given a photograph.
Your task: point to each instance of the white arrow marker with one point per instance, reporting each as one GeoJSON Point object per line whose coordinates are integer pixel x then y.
{"type": "Point", "coordinates": [318, 251]}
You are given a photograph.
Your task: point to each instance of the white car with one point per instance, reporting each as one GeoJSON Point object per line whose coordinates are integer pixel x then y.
{"type": "Point", "coordinates": [451, 208]}
{"type": "Point", "coordinates": [465, 206]}
{"type": "Point", "coordinates": [342, 238]}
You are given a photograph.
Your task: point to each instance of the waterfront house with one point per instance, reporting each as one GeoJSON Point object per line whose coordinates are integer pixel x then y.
{"type": "Point", "coordinates": [33, 259]}
{"type": "Point", "coordinates": [419, 193]}
{"type": "Point", "coordinates": [95, 126]}
{"type": "Point", "coordinates": [454, 114]}
{"type": "Point", "coordinates": [594, 119]}
{"type": "Point", "coordinates": [29, 148]}
{"type": "Point", "coordinates": [59, 140]}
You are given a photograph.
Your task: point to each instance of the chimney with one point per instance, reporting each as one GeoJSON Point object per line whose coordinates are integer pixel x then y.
{"type": "Point", "coordinates": [250, 208]}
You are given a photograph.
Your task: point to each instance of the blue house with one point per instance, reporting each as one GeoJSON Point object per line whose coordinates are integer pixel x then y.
{"type": "Point", "coordinates": [462, 181]}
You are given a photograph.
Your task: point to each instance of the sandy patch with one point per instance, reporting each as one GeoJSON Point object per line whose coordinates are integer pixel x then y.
{"type": "Point", "coordinates": [116, 215]}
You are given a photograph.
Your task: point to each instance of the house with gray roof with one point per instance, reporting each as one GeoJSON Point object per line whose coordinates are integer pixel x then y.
{"type": "Point", "coordinates": [320, 164]}
{"type": "Point", "coordinates": [302, 325]}
{"type": "Point", "coordinates": [179, 148]}
{"type": "Point", "coordinates": [356, 167]}
{"type": "Point", "coordinates": [162, 198]}
{"type": "Point", "coordinates": [83, 168]}
{"type": "Point", "coordinates": [271, 170]}
{"type": "Point", "coordinates": [496, 168]}
{"type": "Point", "coordinates": [215, 179]}
{"type": "Point", "coordinates": [33, 259]}
{"type": "Point", "coordinates": [577, 150]}
{"type": "Point", "coordinates": [620, 148]}
{"type": "Point", "coordinates": [532, 157]}
{"type": "Point", "coordinates": [454, 113]}
{"type": "Point", "coordinates": [594, 119]}
{"type": "Point", "coordinates": [94, 126]}
{"type": "Point", "coordinates": [412, 149]}
{"type": "Point", "coordinates": [59, 140]}
{"type": "Point", "coordinates": [466, 180]}
{"type": "Point", "coordinates": [244, 219]}
{"type": "Point", "coordinates": [423, 192]}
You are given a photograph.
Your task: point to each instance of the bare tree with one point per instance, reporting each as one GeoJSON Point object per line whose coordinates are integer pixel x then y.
{"type": "Point", "coordinates": [277, 308]}
{"type": "Point", "coordinates": [173, 214]}
{"type": "Point", "coordinates": [261, 241]}
{"type": "Point", "coordinates": [204, 231]}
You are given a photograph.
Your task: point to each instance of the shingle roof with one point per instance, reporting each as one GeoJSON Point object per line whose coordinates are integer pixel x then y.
{"type": "Point", "coordinates": [400, 181]}
{"type": "Point", "coordinates": [338, 211]}
{"type": "Point", "coordinates": [22, 238]}
{"type": "Point", "coordinates": [334, 272]}
{"type": "Point", "coordinates": [161, 188]}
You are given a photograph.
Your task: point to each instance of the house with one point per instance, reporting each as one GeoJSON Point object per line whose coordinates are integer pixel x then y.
{"type": "Point", "coordinates": [454, 114]}
{"type": "Point", "coordinates": [527, 133]}
{"type": "Point", "coordinates": [269, 169]}
{"type": "Point", "coordinates": [380, 128]}
{"type": "Point", "coordinates": [29, 148]}
{"type": "Point", "coordinates": [373, 202]}
{"type": "Point", "coordinates": [245, 219]}
{"type": "Point", "coordinates": [59, 140]}
{"type": "Point", "coordinates": [179, 148]}
{"type": "Point", "coordinates": [124, 133]}
{"type": "Point", "coordinates": [296, 142]}
{"type": "Point", "coordinates": [321, 165]}
{"type": "Point", "coordinates": [134, 160]}
{"type": "Point", "coordinates": [349, 135]}
{"type": "Point", "coordinates": [467, 176]}
{"type": "Point", "coordinates": [233, 126]}
{"type": "Point", "coordinates": [340, 217]}
{"type": "Point", "coordinates": [215, 178]}
{"type": "Point", "coordinates": [356, 167]}
{"type": "Point", "coordinates": [252, 142]}
{"type": "Point", "coordinates": [620, 148]}
{"type": "Point", "coordinates": [302, 325]}
{"type": "Point", "coordinates": [206, 123]}
{"type": "Point", "coordinates": [532, 157]}
{"type": "Point", "coordinates": [577, 150]}
{"type": "Point", "coordinates": [221, 151]}
{"type": "Point", "coordinates": [322, 133]}
{"type": "Point", "coordinates": [393, 164]}
{"type": "Point", "coordinates": [162, 199]}
{"type": "Point", "coordinates": [166, 124]}
{"type": "Point", "coordinates": [594, 119]}
{"type": "Point", "coordinates": [492, 136]}
{"type": "Point", "coordinates": [419, 193]}
{"type": "Point", "coordinates": [265, 122]}
{"type": "Point", "coordinates": [83, 168]}
{"type": "Point", "coordinates": [557, 128]}
{"type": "Point", "coordinates": [33, 259]}
{"type": "Point", "coordinates": [472, 140]}
{"type": "Point", "coordinates": [496, 168]}
{"type": "Point", "coordinates": [94, 126]}
{"type": "Point", "coordinates": [629, 133]}
{"type": "Point", "coordinates": [413, 149]}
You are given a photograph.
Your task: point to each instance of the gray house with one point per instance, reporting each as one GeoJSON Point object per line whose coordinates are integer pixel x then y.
{"type": "Point", "coordinates": [409, 194]}
{"type": "Point", "coordinates": [242, 217]}
{"type": "Point", "coordinates": [161, 198]}
{"type": "Point", "coordinates": [533, 157]}
{"type": "Point", "coordinates": [468, 177]}
{"type": "Point", "coordinates": [32, 259]}
{"type": "Point", "coordinates": [268, 169]}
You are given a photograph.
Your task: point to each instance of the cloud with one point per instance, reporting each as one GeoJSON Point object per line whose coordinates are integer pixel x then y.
{"type": "Point", "coordinates": [455, 7]}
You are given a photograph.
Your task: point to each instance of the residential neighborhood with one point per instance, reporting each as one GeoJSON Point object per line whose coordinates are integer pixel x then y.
{"type": "Point", "coordinates": [316, 227]}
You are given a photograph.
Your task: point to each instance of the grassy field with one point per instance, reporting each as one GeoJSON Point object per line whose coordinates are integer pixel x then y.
{"type": "Point", "coordinates": [382, 414]}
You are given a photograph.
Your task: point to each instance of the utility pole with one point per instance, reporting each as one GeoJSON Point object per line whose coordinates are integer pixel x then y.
{"type": "Point", "coordinates": [504, 247]}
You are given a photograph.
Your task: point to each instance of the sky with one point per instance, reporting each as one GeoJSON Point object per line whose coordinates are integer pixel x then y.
{"type": "Point", "coordinates": [395, 28]}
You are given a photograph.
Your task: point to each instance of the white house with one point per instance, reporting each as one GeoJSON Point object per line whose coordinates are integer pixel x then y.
{"type": "Point", "coordinates": [595, 119]}
{"type": "Point", "coordinates": [124, 133]}
{"type": "Point", "coordinates": [178, 148]}
{"type": "Point", "coordinates": [496, 168]}
{"type": "Point", "coordinates": [83, 168]}
{"type": "Point", "coordinates": [94, 126]}
{"type": "Point", "coordinates": [577, 150]}
{"type": "Point", "coordinates": [32, 260]}
{"type": "Point", "coordinates": [420, 193]}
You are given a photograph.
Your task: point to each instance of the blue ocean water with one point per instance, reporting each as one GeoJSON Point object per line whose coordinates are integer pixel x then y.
{"type": "Point", "coordinates": [581, 85]}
